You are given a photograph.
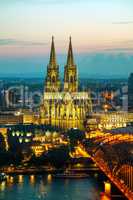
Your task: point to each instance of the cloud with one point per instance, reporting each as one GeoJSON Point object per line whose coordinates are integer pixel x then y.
{"type": "Point", "coordinates": [96, 65]}
{"type": "Point", "coordinates": [14, 42]}
{"type": "Point", "coordinates": [123, 22]}
{"type": "Point", "coordinates": [119, 49]}
{"type": "Point", "coordinates": [127, 42]}
{"type": "Point", "coordinates": [121, 46]}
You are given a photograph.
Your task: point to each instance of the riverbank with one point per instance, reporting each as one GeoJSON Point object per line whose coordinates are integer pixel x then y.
{"type": "Point", "coordinates": [45, 170]}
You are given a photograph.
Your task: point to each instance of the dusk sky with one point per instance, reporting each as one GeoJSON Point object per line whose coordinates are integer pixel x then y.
{"type": "Point", "coordinates": [101, 30]}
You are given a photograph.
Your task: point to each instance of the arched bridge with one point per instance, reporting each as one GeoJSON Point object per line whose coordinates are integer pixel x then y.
{"type": "Point", "coordinates": [113, 154]}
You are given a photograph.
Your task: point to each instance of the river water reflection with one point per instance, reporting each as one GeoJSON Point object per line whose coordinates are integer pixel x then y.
{"type": "Point", "coordinates": [24, 187]}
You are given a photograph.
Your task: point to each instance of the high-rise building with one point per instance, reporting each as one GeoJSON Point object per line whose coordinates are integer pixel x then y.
{"type": "Point", "coordinates": [130, 92]}
{"type": "Point", "coordinates": [64, 107]}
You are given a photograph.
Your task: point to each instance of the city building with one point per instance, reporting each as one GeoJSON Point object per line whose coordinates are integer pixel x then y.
{"type": "Point", "coordinates": [3, 131]}
{"type": "Point", "coordinates": [64, 106]}
{"type": "Point", "coordinates": [111, 120]}
{"type": "Point", "coordinates": [10, 118]}
{"type": "Point", "coordinates": [37, 138]}
{"type": "Point", "coordinates": [130, 93]}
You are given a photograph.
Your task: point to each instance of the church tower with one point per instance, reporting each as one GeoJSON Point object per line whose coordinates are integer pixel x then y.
{"type": "Point", "coordinates": [70, 72]}
{"type": "Point", "coordinates": [52, 81]}
{"type": "Point", "coordinates": [68, 108]}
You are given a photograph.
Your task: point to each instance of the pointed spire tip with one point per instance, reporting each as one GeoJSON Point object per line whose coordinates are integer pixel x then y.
{"type": "Point", "coordinates": [52, 61]}
{"type": "Point", "coordinates": [70, 59]}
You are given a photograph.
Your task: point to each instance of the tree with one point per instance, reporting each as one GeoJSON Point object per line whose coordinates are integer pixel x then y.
{"type": "Point", "coordinates": [75, 136]}
{"type": "Point", "coordinates": [59, 157]}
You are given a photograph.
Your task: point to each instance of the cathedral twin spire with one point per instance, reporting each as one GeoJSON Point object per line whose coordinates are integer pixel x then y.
{"type": "Point", "coordinates": [52, 83]}
{"type": "Point", "coordinates": [52, 61]}
{"type": "Point", "coordinates": [70, 59]}
{"type": "Point", "coordinates": [70, 72]}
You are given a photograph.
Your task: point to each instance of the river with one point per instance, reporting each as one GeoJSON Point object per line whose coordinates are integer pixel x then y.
{"type": "Point", "coordinates": [24, 187]}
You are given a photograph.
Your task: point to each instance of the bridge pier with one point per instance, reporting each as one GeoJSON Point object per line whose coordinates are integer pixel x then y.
{"type": "Point", "coordinates": [106, 195]}
{"type": "Point", "coordinates": [107, 188]}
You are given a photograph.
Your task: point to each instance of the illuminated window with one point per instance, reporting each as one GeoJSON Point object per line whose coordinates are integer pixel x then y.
{"type": "Point", "coordinates": [18, 133]}
{"type": "Point", "coordinates": [13, 134]}
{"type": "Point", "coordinates": [29, 134]}
{"type": "Point", "coordinates": [20, 140]}
{"type": "Point", "coordinates": [27, 140]}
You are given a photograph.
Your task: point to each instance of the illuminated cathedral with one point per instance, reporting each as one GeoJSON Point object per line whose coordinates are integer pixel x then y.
{"type": "Point", "coordinates": [64, 105]}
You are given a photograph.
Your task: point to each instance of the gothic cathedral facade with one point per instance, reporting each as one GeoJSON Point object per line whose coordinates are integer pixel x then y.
{"type": "Point", "coordinates": [64, 105]}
